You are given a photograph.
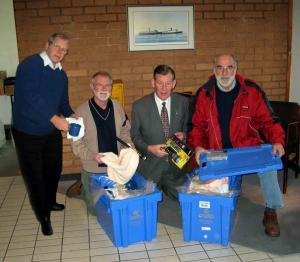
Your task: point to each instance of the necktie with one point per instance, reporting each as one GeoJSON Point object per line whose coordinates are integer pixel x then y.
{"type": "Point", "coordinates": [165, 119]}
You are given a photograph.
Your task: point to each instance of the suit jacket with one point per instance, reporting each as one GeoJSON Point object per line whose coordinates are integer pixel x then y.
{"type": "Point", "coordinates": [146, 129]}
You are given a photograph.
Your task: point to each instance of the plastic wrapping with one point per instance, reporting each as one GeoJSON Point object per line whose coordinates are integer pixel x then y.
{"type": "Point", "coordinates": [100, 184]}
{"type": "Point", "coordinates": [219, 186]}
{"type": "Point", "coordinates": [225, 186]}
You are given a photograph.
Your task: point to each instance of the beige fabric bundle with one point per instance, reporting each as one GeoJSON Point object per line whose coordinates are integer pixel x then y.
{"type": "Point", "coordinates": [120, 169]}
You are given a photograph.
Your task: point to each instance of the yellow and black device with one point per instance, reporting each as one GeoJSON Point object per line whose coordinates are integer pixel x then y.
{"type": "Point", "coordinates": [179, 152]}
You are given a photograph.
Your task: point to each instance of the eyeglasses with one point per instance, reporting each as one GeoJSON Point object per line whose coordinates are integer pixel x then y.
{"type": "Point", "coordinates": [59, 48]}
{"type": "Point", "coordinates": [220, 68]}
{"type": "Point", "coordinates": [166, 84]}
{"type": "Point", "coordinates": [98, 86]}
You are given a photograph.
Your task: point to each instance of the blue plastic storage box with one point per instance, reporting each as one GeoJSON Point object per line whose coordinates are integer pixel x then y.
{"type": "Point", "coordinates": [209, 218]}
{"type": "Point", "coordinates": [240, 161]}
{"type": "Point", "coordinates": [129, 220]}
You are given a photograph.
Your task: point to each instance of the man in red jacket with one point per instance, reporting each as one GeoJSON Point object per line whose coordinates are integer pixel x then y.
{"type": "Point", "coordinates": [232, 111]}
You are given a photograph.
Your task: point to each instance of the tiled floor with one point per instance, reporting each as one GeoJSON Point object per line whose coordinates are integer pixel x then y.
{"type": "Point", "coordinates": [78, 237]}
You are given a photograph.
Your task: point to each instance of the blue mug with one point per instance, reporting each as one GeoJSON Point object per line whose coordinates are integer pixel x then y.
{"type": "Point", "coordinates": [74, 129]}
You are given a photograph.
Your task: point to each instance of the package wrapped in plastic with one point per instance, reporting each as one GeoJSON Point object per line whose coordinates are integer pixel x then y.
{"type": "Point", "coordinates": [136, 186]}
{"type": "Point", "coordinates": [208, 187]}
{"type": "Point", "coordinates": [219, 186]}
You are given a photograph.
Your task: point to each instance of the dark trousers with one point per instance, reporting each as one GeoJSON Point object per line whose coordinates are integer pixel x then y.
{"type": "Point", "coordinates": [40, 159]}
{"type": "Point", "coordinates": [171, 179]}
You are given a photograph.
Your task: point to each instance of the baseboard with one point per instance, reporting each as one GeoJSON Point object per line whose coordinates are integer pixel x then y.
{"type": "Point", "coordinates": [66, 177]}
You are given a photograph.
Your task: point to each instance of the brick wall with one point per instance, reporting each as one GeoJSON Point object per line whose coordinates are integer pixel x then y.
{"type": "Point", "coordinates": [255, 30]}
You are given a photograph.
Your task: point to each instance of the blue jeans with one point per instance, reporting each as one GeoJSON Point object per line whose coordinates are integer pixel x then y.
{"type": "Point", "coordinates": [270, 188]}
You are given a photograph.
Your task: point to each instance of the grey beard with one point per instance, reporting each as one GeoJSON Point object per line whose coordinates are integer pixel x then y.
{"type": "Point", "coordinates": [227, 89]}
{"type": "Point", "coordinates": [101, 98]}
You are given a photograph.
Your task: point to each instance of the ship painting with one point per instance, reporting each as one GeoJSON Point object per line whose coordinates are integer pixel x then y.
{"type": "Point", "coordinates": [156, 32]}
{"type": "Point", "coordinates": [160, 27]}
{"type": "Point", "coordinates": [156, 36]}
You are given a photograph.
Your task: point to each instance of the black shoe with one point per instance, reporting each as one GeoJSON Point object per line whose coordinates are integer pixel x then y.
{"type": "Point", "coordinates": [57, 207]}
{"type": "Point", "coordinates": [46, 226]}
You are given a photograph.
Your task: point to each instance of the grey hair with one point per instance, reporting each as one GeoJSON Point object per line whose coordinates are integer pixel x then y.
{"type": "Point", "coordinates": [219, 55]}
{"type": "Point", "coordinates": [101, 73]}
{"type": "Point", "coordinates": [60, 35]}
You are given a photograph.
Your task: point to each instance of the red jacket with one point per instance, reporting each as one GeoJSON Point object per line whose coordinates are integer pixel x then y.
{"type": "Point", "coordinates": [251, 116]}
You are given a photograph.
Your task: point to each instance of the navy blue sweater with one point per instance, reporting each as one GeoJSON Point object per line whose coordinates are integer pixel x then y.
{"type": "Point", "coordinates": [40, 93]}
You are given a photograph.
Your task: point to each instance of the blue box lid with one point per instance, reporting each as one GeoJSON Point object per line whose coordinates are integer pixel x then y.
{"type": "Point", "coordinates": [237, 161]}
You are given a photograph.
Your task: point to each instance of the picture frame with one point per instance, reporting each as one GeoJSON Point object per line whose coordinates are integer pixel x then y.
{"type": "Point", "coordinates": [160, 27]}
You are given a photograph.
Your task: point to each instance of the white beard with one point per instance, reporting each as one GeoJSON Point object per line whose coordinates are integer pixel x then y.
{"type": "Point", "coordinates": [226, 85]}
{"type": "Point", "coordinates": [103, 96]}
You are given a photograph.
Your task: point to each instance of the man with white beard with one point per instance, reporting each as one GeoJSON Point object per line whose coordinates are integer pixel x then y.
{"type": "Point", "coordinates": [232, 111]}
{"type": "Point", "coordinates": [104, 119]}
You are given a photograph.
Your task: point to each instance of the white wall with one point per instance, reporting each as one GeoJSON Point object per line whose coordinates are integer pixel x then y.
{"type": "Point", "coordinates": [295, 65]}
{"type": "Point", "coordinates": [9, 59]}
{"type": "Point", "coordinates": [8, 45]}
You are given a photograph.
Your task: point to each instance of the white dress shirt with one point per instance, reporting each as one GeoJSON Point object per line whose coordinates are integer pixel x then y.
{"type": "Point", "coordinates": [159, 102]}
{"type": "Point", "coordinates": [48, 62]}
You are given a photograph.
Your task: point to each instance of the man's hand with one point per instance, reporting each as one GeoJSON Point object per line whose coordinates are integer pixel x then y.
{"type": "Point", "coordinates": [131, 145]}
{"type": "Point", "coordinates": [180, 135]}
{"type": "Point", "coordinates": [156, 150]}
{"type": "Point", "coordinates": [60, 123]}
{"type": "Point", "coordinates": [198, 151]}
{"type": "Point", "coordinates": [97, 157]}
{"type": "Point", "coordinates": [278, 149]}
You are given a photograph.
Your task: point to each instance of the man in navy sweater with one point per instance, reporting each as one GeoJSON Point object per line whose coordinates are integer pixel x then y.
{"type": "Point", "coordinates": [41, 104]}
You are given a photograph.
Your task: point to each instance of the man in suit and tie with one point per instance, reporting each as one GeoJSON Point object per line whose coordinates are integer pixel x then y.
{"type": "Point", "coordinates": [154, 118]}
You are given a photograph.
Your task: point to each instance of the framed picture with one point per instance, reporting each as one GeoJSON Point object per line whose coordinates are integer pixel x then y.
{"type": "Point", "coordinates": [160, 27]}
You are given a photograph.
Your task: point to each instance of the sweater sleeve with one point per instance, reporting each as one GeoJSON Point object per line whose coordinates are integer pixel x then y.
{"type": "Point", "coordinates": [28, 80]}
{"type": "Point", "coordinates": [80, 150]}
{"type": "Point", "coordinates": [65, 107]}
{"type": "Point", "coordinates": [80, 147]}
{"type": "Point", "coordinates": [125, 125]}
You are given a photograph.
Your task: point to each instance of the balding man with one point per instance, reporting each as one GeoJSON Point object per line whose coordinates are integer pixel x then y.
{"type": "Point", "coordinates": [232, 111]}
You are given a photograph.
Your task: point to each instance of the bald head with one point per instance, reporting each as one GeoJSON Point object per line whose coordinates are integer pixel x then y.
{"type": "Point", "coordinates": [225, 67]}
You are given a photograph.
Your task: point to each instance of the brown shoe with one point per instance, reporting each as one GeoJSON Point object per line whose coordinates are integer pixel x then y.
{"type": "Point", "coordinates": [75, 189]}
{"type": "Point", "coordinates": [271, 224]}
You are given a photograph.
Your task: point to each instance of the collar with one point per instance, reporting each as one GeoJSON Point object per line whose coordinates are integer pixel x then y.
{"type": "Point", "coordinates": [48, 62]}
{"type": "Point", "coordinates": [159, 101]}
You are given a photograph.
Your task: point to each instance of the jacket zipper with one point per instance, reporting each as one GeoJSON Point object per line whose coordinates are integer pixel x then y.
{"type": "Point", "coordinates": [212, 124]}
